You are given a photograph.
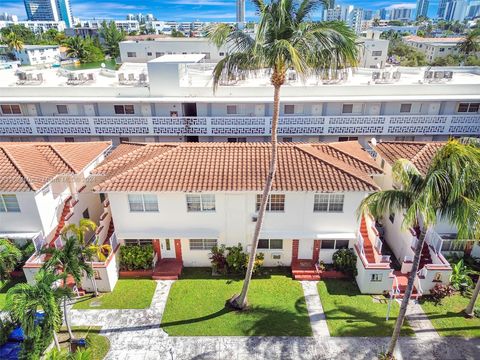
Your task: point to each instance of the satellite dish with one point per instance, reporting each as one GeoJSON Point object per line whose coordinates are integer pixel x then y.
{"type": "Point", "coordinates": [374, 141]}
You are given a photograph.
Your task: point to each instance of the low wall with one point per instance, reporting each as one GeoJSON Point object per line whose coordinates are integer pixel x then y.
{"type": "Point", "coordinates": [106, 274]}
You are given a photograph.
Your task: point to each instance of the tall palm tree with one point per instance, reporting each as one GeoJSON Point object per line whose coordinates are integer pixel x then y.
{"type": "Point", "coordinates": [85, 226]}
{"type": "Point", "coordinates": [75, 47]}
{"type": "Point", "coordinates": [448, 190]}
{"type": "Point", "coordinates": [70, 261]}
{"type": "Point", "coordinates": [471, 43]}
{"type": "Point", "coordinates": [24, 300]}
{"type": "Point", "coordinates": [286, 38]}
{"type": "Point", "coordinates": [10, 255]}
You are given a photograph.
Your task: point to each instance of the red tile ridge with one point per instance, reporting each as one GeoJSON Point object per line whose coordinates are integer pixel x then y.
{"type": "Point", "coordinates": [371, 165]}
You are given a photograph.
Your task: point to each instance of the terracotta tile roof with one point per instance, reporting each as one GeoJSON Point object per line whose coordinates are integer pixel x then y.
{"type": "Point", "coordinates": [234, 167]}
{"type": "Point", "coordinates": [419, 153]}
{"type": "Point", "coordinates": [29, 166]}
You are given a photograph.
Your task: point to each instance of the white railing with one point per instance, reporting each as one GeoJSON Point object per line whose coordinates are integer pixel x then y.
{"type": "Point", "coordinates": [434, 240]}
{"type": "Point", "coordinates": [38, 242]}
{"type": "Point", "coordinates": [385, 259]}
{"type": "Point", "coordinates": [413, 244]}
{"type": "Point", "coordinates": [113, 241]}
{"type": "Point", "coordinates": [361, 244]}
{"type": "Point", "coordinates": [249, 125]}
{"type": "Point", "coordinates": [58, 242]}
{"type": "Point", "coordinates": [155, 260]}
{"type": "Point", "coordinates": [408, 258]}
{"type": "Point", "coordinates": [418, 284]}
{"type": "Point", "coordinates": [378, 244]}
{"type": "Point", "coordinates": [395, 287]}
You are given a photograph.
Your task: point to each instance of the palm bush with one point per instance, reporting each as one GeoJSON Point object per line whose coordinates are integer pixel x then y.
{"type": "Point", "coordinates": [10, 256]}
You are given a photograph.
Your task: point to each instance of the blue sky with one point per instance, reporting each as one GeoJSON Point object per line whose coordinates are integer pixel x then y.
{"type": "Point", "coordinates": [207, 10]}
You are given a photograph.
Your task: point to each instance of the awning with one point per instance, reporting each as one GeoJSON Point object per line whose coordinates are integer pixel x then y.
{"type": "Point", "coordinates": [170, 234]}
{"type": "Point", "coordinates": [278, 234]}
{"type": "Point", "coordinates": [336, 236]}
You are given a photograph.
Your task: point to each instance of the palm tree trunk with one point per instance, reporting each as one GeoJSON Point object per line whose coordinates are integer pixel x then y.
{"type": "Point", "coordinates": [65, 316]}
{"type": "Point", "coordinates": [408, 293]}
{"type": "Point", "coordinates": [55, 340]}
{"type": "Point", "coordinates": [471, 304]}
{"type": "Point", "coordinates": [240, 302]}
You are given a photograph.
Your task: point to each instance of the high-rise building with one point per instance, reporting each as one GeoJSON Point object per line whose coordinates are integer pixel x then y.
{"type": "Point", "coordinates": [240, 11]}
{"type": "Point", "coordinates": [455, 10]}
{"type": "Point", "coordinates": [383, 14]}
{"type": "Point", "coordinates": [422, 8]}
{"type": "Point", "coordinates": [49, 10]}
{"type": "Point", "coordinates": [367, 14]}
{"type": "Point", "coordinates": [473, 9]}
{"type": "Point", "coordinates": [401, 13]}
{"type": "Point", "coordinates": [442, 4]}
{"type": "Point", "coordinates": [8, 17]}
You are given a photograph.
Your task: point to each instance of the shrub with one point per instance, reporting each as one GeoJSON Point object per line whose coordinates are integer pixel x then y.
{"type": "Point", "coordinates": [136, 257]}
{"type": "Point", "coordinates": [218, 259]}
{"type": "Point", "coordinates": [441, 291]}
{"type": "Point", "coordinates": [460, 278]}
{"type": "Point", "coordinates": [258, 263]}
{"type": "Point", "coordinates": [236, 259]}
{"type": "Point", "coordinates": [476, 312]}
{"type": "Point", "coordinates": [6, 327]}
{"type": "Point", "coordinates": [345, 260]}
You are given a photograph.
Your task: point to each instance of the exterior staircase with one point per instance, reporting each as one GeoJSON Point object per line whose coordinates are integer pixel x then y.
{"type": "Point", "coordinates": [305, 270]}
{"type": "Point", "coordinates": [425, 257]}
{"type": "Point", "coordinates": [367, 245]}
{"type": "Point", "coordinates": [167, 269]}
{"type": "Point", "coordinates": [402, 286]}
{"type": "Point", "coordinates": [63, 218]}
{"type": "Point", "coordinates": [111, 230]}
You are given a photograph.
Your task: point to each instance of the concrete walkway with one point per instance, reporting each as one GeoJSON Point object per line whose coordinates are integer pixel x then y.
{"type": "Point", "coordinates": [315, 309]}
{"type": "Point", "coordinates": [419, 321]}
{"type": "Point", "coordinates": [136, 335]}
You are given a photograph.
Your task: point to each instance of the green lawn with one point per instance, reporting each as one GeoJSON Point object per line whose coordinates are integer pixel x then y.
{"type": "Point", "coordinates": [448, 318]}
{"type": "Point", "coordinates": [350, 313]}
{"type": "Point", "coordinates": [4, 286]}
{"type": "Point", "coordinates": [196, 306]}
{"type": "Point", "coordinates": [128, 294]}
{"type": "Point", "coordinates": [98, 344]}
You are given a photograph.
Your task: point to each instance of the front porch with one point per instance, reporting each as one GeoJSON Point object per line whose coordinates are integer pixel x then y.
{"type": "Point", "coordinates": [167, 269]}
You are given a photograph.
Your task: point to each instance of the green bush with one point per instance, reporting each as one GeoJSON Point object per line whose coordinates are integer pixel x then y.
{"type": "Point", "coordinates": [460, 278]}
{"type": "Point", "coordinates": [6, 327]}
{"type": "Point", "coordinates": [136, 257]}
{"type": "Point", "coordinates": [345, 260]}
{"type": "Point", "coordinates": [237, 260]}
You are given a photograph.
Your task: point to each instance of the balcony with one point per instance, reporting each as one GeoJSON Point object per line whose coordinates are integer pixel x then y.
{"type": "Point", "coordinates": [239, 125]}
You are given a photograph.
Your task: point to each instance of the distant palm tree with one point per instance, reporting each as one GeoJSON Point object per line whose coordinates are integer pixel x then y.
{"type": "Point", "coordinates": [450, 189]}
{"type": "Point", "coordinates": [10, 255]}
{"type": "Point", "coordinates": [75, 47]}
{"type": "Point", "coordinates": [24, 300]}
{"type": "Point", "coordinates": [471, 43]}
{"type": "Point", "coordinates": [286, 39]}
{"type": "Point", "coordinates": [14, 42]}
{"type": "Point", "coordinates": [70, 262]}
{"type": "Point", "coordinates": [376, 22]}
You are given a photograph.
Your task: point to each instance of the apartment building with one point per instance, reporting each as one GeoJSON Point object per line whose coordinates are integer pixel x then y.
{"type": "Point", "coordinates": [43, 188]}
{"type": "Point", "coordinates": [373, 50]}
{"type": "Point", "coordinates": [36, 27]}
{"type": "Point", "coordinates": [143, 51]}
{"type": "Point", "coordinates": [171, 98]}
{"type": "Point", "coordinates": [434, 47]}
{"type": "Point", "coordinates": [38, 54]}
{"type": "Point", "coordinates": [49, 10]}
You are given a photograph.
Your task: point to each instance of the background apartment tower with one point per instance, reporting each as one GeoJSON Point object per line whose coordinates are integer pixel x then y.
{"type": "Point", "coordinates": [240, 11]}
{"type": "Point", "coordinates": [49, 10]}
{"type": "Point", "coordinates": [422, 8]}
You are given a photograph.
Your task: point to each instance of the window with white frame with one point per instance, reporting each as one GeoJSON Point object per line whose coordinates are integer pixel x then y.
{"type": "Point", "coordinates": [131, 54]}
{"type": "Point", "coordinates": [270, 244]}
{"type": "Point", "coordinates": [328, 202]}
{"type": "Point", "coordinates": [143, 202]}
{"type": "Point", "coordinates": [231, 109]}
{"type": "Point", "coordinates": [62, 109]}
{"type": "Point", "coordinates": [376, 277]}
{"type": "Point", "coordinates": [141, 242]}
{"type": "Point", "coordinates": [9, 203]}
{"type": "Point", "coordinates": [200, 202]}
{"type": "Point", "coordinates": [275, 202]}
{"type": "Point", "coordinates": [334, 244]}
{"type": "Point", "coordinates": [9, 109]}
{"type": "Point", "coordinates": [124, 109]}
{"type": "Point", "coordinates": [202, 244]}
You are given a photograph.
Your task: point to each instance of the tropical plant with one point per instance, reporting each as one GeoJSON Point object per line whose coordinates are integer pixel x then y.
{"type": "Point", "coordinates": [376, 22]}
{"type": "Point", "coordinates": [460, 278]}
{"type": "Point", "coordinates": [441, 291]}
{"type": "Point", "coordinates": [72, 263]}
{"type": "Point", "coordinates": [6, 327]}
{"type": "Point", "coordinates": [136, 257]}
{"type": "Point", "coordinates": [14, 42]}
{"type": "Point", "coordinates": [111, 38]}
{"type": "Point", "coordinates": [218, 259]}
{"type": "Point", "coordinates": [449, 189]}
{"type": "Point", "coordinates": [86, 226]}
{"type": "Point", "coordinates": [237, 260]}
{"type": "Point", "coordinates": [24, 300]}
{"type": "Point", "coordinates": [345, 260]}
{"type": "Point", "coordinates": [286, 38]}
{"type": "Point", "coordinates": [10, 256]}
{"type": "Point", "coordinates": [470, 44]}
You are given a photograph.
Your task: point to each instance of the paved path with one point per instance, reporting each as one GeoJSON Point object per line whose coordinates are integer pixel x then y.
{"type": "Point", "coordinates": [419, 321]}
{"type": "Point", "coordinates": [315, 309]}
{"type": "Point", "coordinates": [136, 335]}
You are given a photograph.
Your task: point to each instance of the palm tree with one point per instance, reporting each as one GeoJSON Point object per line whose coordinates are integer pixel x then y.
{"type": "Point", "coordinates": [10, 255]}
{"type": "Point", "coordinates": [85, 226]}
{"type": "Point", "coordinates": [101, 252]}
{"type": "Point", "coordinates": [75, 47]}
{"type": "Point", "coordinates": [448, 190]}
{"type": "Point", "coordinates": [24, 300]}
{"type": "Point", "coordinates": [376, 22]}
{"type": "Point", "coordinates": [14, 42]}
{"type": "Point", "coordinates": [471, 43]}
{"type": "Point", "coordinates": [71, 262]}
{"type": "Point", "coordinates": [286, 39]}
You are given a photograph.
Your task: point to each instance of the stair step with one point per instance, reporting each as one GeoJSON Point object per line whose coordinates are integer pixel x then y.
{"type": "Point", "coordinates": [164, 277]}
{"type": "Point", "coordinates": [307, 277]}
{"type": "Point", "coordinates": [304, 272]}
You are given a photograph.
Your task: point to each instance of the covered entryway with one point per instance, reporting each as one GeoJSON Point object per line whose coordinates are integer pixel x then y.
{"type": "Point", "coordinates": [305, 249]}
{"type": "Point", "coordinates": [167, 249]}
{"type": "Point", "coordinates": [169, 262]}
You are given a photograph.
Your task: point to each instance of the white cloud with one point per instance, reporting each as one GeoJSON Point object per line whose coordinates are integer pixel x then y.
{"type": "Point", "coordinates": [202, 2]}
{"type": "Point", "coordinates": [405, 5]}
